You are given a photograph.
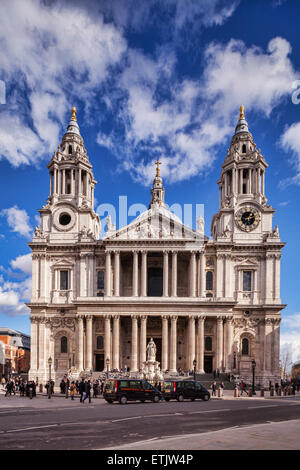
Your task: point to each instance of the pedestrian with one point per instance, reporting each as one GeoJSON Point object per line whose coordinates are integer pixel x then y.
{"type": "Point", "coordinates": [243, 388]}
{"type": "Point", "coordinates": [102, 387]}
{"type": "Point", "coordinates": [218, 373]}
{"type": "Point", "coordinates": [72, 390]}
{"type": "Point", "coordinates": [214, 389]}
{"type": "Point", "coordinates": [222, 386]}
{"type": "Point", "coordinates": [214, 374]}
{"type": "Point", "coordinates": [9, 388]}
{"type": "Point", "coordinates": [81, 389]}
{"type": "Point", "coordinates": [87, 391]}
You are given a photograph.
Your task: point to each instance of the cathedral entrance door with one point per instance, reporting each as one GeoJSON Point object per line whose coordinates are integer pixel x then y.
{"type": "Point", "coordinates": [157, 342]}
{"type": "Point", "coordinates": [208, 364]}
{"type": "Point", "coordinates": [155, 282]}
{"type": "Point", "coordinates": [99, 366]}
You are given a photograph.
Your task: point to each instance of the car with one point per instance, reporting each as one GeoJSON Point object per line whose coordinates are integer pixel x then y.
{"type": "Point", "coordinates": [181, 389]}
{"type": "Point", "coordinates": [124, 390]}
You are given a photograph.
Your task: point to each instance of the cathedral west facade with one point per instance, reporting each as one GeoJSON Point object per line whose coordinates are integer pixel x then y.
{"type": "Point", "coordinates": [97, 302]}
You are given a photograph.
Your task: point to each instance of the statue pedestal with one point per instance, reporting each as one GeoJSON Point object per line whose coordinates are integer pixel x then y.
{"type": "Point", "coordinates": [151, 371]}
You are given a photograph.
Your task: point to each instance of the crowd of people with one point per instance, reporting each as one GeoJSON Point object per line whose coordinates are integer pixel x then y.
{"type": "Point", "coordinates": [19, 385]}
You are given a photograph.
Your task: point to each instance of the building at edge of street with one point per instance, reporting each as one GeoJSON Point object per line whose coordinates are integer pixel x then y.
{"type": "Point", "coordinates": [96, 302]}
{"type": "Point", "coordinates": [14, 352]}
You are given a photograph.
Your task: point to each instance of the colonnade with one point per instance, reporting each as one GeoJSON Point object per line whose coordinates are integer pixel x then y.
{"type": "Point", "coordinates": [195, 338]}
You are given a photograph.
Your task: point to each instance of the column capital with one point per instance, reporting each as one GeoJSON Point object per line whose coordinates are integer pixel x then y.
{"type": "Point", "coordinates": [220, 318]}
{"type": "Point", "coordinates": [116, 252]}
{"type": "Point", "coordinates": [201, 318]}
{"type": "Point", "coordinates": [107, 317]}
{"type": "Point", "coordinates": [80, 317]}
{"type": "Point", "coordinates": [134, 317]}
{"type": "Point", "coordinates": [229, 319]}
{"type": "Point", "coordinates": [165, 317]}
{"type": "Point", "coordinates": [89, 317]}
{"type": "Point", "coordinates": [116, 317]}
{"type": "Point", "coordinates": [143, 317]}
{"type": "Point", "coordinates": [174, 317]}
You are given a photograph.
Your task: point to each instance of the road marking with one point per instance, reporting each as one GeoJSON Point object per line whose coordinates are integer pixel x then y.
{"type": "Point", "coordinates": [266, 406]}
{"type": "Point", "coordinates": [208, 411]}
{"type": "Point", "coordinates": [33, 427]}
{"type": "Point", "coordinates": [126, 419]}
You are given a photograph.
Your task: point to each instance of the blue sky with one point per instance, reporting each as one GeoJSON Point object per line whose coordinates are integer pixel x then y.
{"type": "Point", "coordinates": [149, 79]}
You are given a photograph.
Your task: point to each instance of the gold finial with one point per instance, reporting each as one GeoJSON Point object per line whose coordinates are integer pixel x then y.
{"type": "Point", "coordinates": [157, 168]}
{"type": "Point", "coordinates": [73, 117]}
{"type": "Point", "coordinates": [242, 115]}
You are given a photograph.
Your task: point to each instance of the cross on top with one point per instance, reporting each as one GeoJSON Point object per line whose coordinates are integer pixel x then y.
{"type": "Point", "coordinates": [157, 168]}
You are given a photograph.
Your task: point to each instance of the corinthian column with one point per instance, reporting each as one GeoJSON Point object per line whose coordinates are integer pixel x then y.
{"type": "Point", "coordinates": [191, 348]}
{"type": "Point", "coordinates": [116, 342]}
{"type": "Point", "coordinates": [165, 333]}
{"type": "Point", "coordinates": [117, 274]}
{"type": "Point", "coordinates": [144, 274]}
{"type": "Point", "coordinates": [174, 273]}
{"type": "Point", "coordinates": [134, 344]}
{"type": "Point", "coordinates": [192, 290]}
{"type": "Point", "coordinates": [166, 274]}
{"type": "Point", "coordinates": [80, 342]}
{"type": "Point", "coordinates": [220, 343]}
{"type": "Point", "coordinates": [200, 345]}
{"type": "Point", "coordinates": [107, 339]}
{"type": "Point", "coordinates": [143, 340]}
{"type": "Point", "coordinates": [173, 349]}
{"type": "Point", "coordinates": [229, 344]}
{"type": "Point", "coordinates": [108, 274]}
{"type": "Point", "coordinates": [135, 272]}
{"type": "Point", "coordinates": [34, 345]}
{"type": "Point", "coordinates": [89, 341]}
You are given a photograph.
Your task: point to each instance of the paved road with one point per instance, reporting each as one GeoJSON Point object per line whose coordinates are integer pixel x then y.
{"type": "Point", "coordinates": [62, 424]}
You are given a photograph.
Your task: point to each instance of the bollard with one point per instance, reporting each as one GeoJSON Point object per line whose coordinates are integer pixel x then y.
{"type": "Point", "coordinates": [289, 391]}
{"type": "Point", "coordinates": [41, 388]}
{"type": "Point", "coordinates": [271, 392]}
{"type": "Point", "coordinates": [284, 392]}
{"type": "Point", "coordinates": [279, 391]}
{"type": "Point", "coordinates": [219, 393]}
{"type": "Point", "coordinates": [262, 392]}
{"type": "Point", "coordinates": [250, 392]}
{"type": "Point", "coordinates": [236, 393]}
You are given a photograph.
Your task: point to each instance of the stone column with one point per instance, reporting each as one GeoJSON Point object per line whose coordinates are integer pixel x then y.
{"type": "Point", "coordinates": [241, 181]}
{"type": "Point", "coordinates": [174, 274]}
{"type": "Point", "coordinates": [144, 274]}
{"type": "Point", "coordinates": [173, 348]}
{"type": "Point", "coordinates": [202, 275]}
{"type": "Point", "coordinates": [219, 363]}
{"type": "Point", "coordinates": [191, 348]}
{"type": "Point", "coordinates": [227, 276]}
{"type": "Point", "coordinates": [41, 358]}
{"type": "Point", "coordinates": [166, 274]}
{"type": "Point", "coordinates": [82, 275]}
{"type": "Point", "coordinates": [268, 278]}
{"type": "Point", "coordinates": [107, 335]}
{"type": "Point", "coordinates": [117, 274]}
{"type": "Point", "coordinates": [277, 278]}
{"type": "Point", "coordinates": [34, 345]}
{"type": "Point", "coordinates": [116, 342]}
{"type": "Point", "coordinates": [135, 276]}
{"type": "Point", "coordinates": [229, 344]}
{"type": "Point", "coordinates": [80, 342]}
{"type": "Point", "coordinates": [108, 274]}
{"type": "Point", "coordinates": [200, 345]}
{"type": "Point", "coordinates": [192, 273]}
{"type": "Point", "coordinates": [219, 277]}
{"type": "Point", "coordinates": [134, 345]}
{"type": "Point", "coordinates": [89, 342]}
{"type": "Point", "coordinates": [165, 336]}
{"type": "Point", "coordinates": [143, 340]}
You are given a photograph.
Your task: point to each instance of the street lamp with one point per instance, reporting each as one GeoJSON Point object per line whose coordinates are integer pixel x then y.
{"type": "Point", "coordinates": [194, 364]}
{"type": "Point", "coordinates": [49, 387]}
{"type": "Point", "coordinates": [107, 366]}
{"type": "Point", "coordinates": [253, 376]}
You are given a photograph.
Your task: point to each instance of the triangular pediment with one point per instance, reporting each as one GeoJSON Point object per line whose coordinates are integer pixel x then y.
{"type": "Point", "coordinates": [248, 262]}
{"type": "Point", "coordinates": [156, 223]}
{"type": "Point", "coordinates": [63, 263]}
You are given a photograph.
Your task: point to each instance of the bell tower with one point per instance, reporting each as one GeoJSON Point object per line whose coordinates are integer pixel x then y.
{"type": "Point", "coordinates": [69, 213]}
{"type": "Point", "coordinates": [242, 201]}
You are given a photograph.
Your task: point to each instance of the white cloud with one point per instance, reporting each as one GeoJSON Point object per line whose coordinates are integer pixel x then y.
{"type": "Point", "coordinates": [57, 54]}
{"type": "Point", "coordinates": [18, 220]}
{"type": "Point", "coordinates": [290, 336]}
{"type": "Point", "coordinates": [23, 262]}
{"type": "Point", "coordinates": [290, 141]}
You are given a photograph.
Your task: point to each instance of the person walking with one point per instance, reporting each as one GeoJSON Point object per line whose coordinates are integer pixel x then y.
{"type": "Point", "coordinates": [72, 390]}
{"type": "Point", "coordinates": [87, 391]}
{"type": "Point", "coordinates": [214, 389]}
{"type": "Point", "coordinates": [243, 388]}
{"type": "Point", "coordinates": [222, 386]}
{"type": "Point", "coordinates": [81, 389]}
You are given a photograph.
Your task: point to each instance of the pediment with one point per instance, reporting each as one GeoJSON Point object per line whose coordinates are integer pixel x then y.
{"type": "Point", "coordinates": [248, 262]}
{"type": "Point", "coordinates": [154, 224]}
{"type": "Point", "coordinates": [63, 263]}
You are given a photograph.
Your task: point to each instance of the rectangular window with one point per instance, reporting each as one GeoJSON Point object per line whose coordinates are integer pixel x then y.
{"type": "Point", "coordinates": [64, 280]}
{"type": "Point", "coordinates": [100, 280]}
{"type": "Point", "coordinates": [247, 281]}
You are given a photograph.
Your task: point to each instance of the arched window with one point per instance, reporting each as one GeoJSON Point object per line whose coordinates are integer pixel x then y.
{"type": "Point", "coordinates": [70, 150]}
{"type": "Point", "coordinates": [244, 148]}
{"type": "Point", "coordinates": [245, 347]}
{"type": "Point", "coordinates": [99, 342]}
{"type": "Point", "coordinates": [64, 344]}
{"type": "Point", "coordinates": [209, 280]}
{"type": "Point", "coordinates": [208, 343]}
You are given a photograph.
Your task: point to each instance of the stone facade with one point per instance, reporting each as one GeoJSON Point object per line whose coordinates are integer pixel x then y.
{"type": "Point", "coordinates": [214, 300]}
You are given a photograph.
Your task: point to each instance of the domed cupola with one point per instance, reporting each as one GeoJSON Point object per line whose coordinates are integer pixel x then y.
{"type": "Point", "coordinates": [157, 191]}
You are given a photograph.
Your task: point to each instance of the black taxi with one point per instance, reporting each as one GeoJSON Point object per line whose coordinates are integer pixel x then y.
{"type": "Point", "coordinates": [184, 389]}
{"type": "Point", "coordinates": [123, 390]}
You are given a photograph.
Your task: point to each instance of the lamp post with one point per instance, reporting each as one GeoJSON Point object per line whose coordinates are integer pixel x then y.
{"type": "Point", "coordinates": [107, 366]}
{"type": "Point", "coordinates": [194, 364]}
{"type": "Point", "coordinates": [49, 388]}
{"type": "Point", "coordinates": [253, 376]}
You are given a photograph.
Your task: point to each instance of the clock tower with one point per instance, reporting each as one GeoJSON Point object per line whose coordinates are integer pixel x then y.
{"type": "Point", "coordinates": [243, 212]}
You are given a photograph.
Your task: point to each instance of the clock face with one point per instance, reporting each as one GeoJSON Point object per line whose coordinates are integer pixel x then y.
{"type": "Point", "coordinates": [247, 218]}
